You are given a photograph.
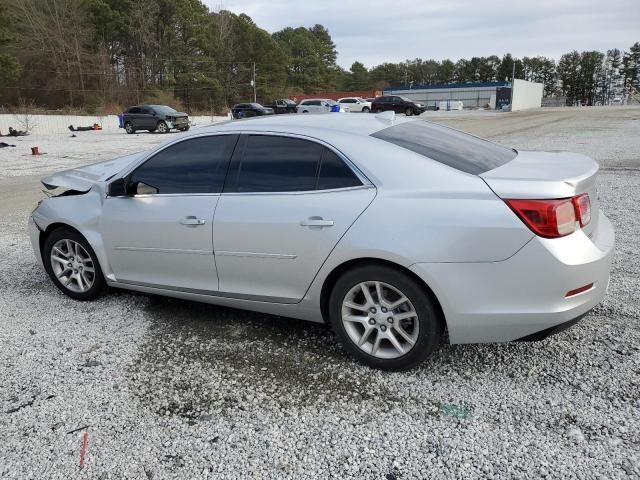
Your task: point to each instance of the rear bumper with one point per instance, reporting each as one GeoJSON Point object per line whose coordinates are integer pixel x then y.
{"type": "Point", "coordinates": [524, 295]}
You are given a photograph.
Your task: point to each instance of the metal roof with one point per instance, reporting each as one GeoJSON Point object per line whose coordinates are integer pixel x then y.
{"type": "Point", "coordinates": [447, 86]}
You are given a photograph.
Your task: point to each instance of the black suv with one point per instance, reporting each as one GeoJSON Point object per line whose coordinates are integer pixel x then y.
{"type": "Point", "coordinates": [245, 110]}
{"type": "Point", "coordinates": [398, 104]}
{"type": "Point", "coordinates": [154, 117]}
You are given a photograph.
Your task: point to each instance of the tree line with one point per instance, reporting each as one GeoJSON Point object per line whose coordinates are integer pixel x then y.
{"type": "Point", "coordinates": [104, 54]}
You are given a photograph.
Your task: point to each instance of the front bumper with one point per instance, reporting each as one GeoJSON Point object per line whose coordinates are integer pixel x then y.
{"type": "Point", "coordinates": [34, 238]}
{"type": "Point", "coordinates": [524, 294]}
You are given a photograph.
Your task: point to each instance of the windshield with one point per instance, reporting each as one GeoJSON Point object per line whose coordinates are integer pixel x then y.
{"type": "Point", "coordinates": [256, 105]}
{"type": "Point", "coordinates": [406, 99]}
{"type": "Point", "coordinates": [453, 148]}
{"type": "Point", "coordinates": [360, 99]}
{"type": "Point", "coordinates": [163, 109]}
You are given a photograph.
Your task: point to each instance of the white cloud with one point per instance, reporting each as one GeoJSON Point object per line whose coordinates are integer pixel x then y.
{"type": "Point", "coordinates": [377, 31]}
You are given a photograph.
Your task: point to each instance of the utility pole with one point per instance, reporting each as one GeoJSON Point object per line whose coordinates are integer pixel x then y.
{"type": "Point", "coordinates": [255, 98]}
{"type": "Point", "coordinates": [513, 77]}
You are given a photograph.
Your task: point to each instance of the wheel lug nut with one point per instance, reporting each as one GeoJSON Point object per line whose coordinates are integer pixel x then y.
{"type": "Point", "coordinates": [384, 310]}
{"type": "Point", "coordinates": [372, 310]}
{"type": "Point", "coordinates": [390, 319]}
{"type": "Point", "coordinates": [372, 321]}
{"type": "Point", "coordinates": [383, 327]}
{"type": "Point", "coordinates": [69, 264]}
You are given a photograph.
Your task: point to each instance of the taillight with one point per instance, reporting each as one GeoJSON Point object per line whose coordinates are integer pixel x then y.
{"type": "Point", "coordinates": [582, 205]}
{"type": "Point", "coordinates": [553, 218]}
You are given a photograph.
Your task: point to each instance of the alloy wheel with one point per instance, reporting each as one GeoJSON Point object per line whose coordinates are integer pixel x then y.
{"type": "Point", "coordinates": [72, 266]}
{"type": "Point", "coordinates": [380, 319]}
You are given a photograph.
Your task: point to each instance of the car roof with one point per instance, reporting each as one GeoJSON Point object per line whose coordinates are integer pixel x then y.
{"type": "Point", "coordinates": [310, 125]}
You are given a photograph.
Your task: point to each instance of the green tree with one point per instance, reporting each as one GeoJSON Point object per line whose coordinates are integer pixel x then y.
{"type": "Point", "coordinates": [359, 78]}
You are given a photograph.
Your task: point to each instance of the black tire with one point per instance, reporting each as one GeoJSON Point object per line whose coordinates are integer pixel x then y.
{"type": "Point", "coordinates": [128, 127]}
{"type": "Point", "coordinates": [408, 111]}
{"type": "Point", "coordinates": [379, 110]}
{"type": "Point", "coordinates": [99, 283]}
{"type": "Point", "coordinates": [305, 111]}
{"type": "Point", "coordinates": [162, 127]}
{"type": "Point", "coordinates": [184, 129]}
{"type": "Point", "coordinates": [365, 110]}
{"type": "Point", "coordinates": [151, 130]}
{"type": "Point", "coordinates": [428, 316]}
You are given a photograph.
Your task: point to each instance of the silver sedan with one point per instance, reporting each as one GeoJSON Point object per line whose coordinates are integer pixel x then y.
{"type": "Point", "coordinates": [398, 233]}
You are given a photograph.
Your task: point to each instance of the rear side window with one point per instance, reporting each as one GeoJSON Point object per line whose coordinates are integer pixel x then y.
{"type": "Point", "coordinates": [285, 164]}
{"type": "Point", "coordinates": [450, 147]}
{"type": "Point", "coordinates": [198, 165]}
{"type": "Point", "coordinates": [278, 164]}
{"type": "Point", "coordinates": [134, 110]}
{"type": "Point", "coordinates": [334, 173]}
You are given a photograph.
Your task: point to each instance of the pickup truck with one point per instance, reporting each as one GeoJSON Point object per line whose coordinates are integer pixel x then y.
{"type": "Point", "coordinates": [283, 105]}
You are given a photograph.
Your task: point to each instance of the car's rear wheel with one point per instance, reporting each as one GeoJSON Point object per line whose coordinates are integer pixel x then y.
{"type": "Point", "coordinates": [72, 265]}
{"type": "Point", "coordinates": [408, 111]}
{"type": "Point", "coordinates": [365, 110]}
{"type": "Point", "coordinates": [379, 110]}
{"type": "Point", "coordinates": [384, 318]}
{"type": "Point", "coordinates": [128, 127]}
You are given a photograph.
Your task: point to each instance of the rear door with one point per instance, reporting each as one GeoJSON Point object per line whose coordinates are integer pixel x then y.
{"type": "Point", "coordinates": [161, 234]}
{"type": "Point", "coordinates": [287, 202]}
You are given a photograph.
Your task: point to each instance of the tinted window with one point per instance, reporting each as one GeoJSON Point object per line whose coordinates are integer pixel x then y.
{"type": "Point", "coordinates": [334, 173]}
{"type": "Point", "coordinates": [198, 165]}
{"type": "Point", "coordinates": [134, 110]}
{"type": "Point", "coordinates": [455, 149]}
{"type": "Point", "coordinates": [278, 164]}
{"type": "Point", "coordinates": [382, 99]}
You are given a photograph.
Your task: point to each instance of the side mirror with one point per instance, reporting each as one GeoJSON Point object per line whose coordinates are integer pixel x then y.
{"type": "Point", "coordinates": [118, 188]}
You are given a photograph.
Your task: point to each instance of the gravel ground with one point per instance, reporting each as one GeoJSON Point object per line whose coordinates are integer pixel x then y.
{"type": "Point", "coordinates": [172, 389]}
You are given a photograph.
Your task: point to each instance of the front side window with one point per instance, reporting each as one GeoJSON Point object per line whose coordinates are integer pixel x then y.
{"type": "Point", "coordinates": [197, 165]}
{"type": "Point", "coordinates": [285, 164]}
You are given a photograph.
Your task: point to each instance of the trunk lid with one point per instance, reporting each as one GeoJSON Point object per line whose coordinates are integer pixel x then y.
{"type": "Point", "coordinates": [83, 178]}
{"type": "Point", "coordinates": [547, 175]}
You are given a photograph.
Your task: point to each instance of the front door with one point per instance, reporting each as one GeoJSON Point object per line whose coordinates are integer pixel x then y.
{"type": "Point", "coordinates": [161, 233]}
{"type": "Point", "coordinates": [287, 203]}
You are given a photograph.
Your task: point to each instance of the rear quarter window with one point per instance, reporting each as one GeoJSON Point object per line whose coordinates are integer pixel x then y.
{"type": "Point", "coordinates": [447, 146]}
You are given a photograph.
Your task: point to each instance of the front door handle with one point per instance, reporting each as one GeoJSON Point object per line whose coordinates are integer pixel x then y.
{"type": "Point", "coordinates": [192, 221]}
{"type": "Point", "coordinates": [316, 222]}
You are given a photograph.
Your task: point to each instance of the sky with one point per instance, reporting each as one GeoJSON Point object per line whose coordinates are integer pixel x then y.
{"type": "Point", "coordinates": [377, 31]}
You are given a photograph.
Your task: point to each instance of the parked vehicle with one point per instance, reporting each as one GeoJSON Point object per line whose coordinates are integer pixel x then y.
{"type": "Point", "coordinates": [321, 105]}
{"type": "Point", "coordinates": [284, 105]}
{"type": "Point", "coordinates": [154, 117]}
{"type": "Point", "coordinates": [246, 110]}
{"type": "Point", "coordinates": [397, 104]}
{"type": "Point", "coordinates": [308, 218]}
{"type": "Point", "coordinates": [356, 104]}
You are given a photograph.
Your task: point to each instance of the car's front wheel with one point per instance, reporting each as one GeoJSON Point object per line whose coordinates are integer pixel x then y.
{"type": "Point", "coordinates": [128, 127]}
{"type": "Point", "coordinates": [72, 264]}
{"type": "Point", "coordinates": [365, 110]}
{"type": "Point", "coordinates": [162, 127]}
{"type": "Point", "coordinates": [384, 318]}
{"type": "Point", "coordinates": [379, 110]}
{"type": "Point", "coordinates": [408, 111]}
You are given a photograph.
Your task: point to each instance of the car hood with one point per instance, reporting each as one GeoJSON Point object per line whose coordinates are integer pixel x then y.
{"type": "Point", "coordinates": [83, 178]}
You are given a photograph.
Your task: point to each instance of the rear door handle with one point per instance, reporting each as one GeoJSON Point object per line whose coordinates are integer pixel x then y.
{"type": "Point", "coordinates": [316, 222]}
{"type": "Point", "coordinates": [192, 221]}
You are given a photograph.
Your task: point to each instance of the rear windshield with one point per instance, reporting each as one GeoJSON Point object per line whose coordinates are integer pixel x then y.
{"type": "Point", "coordinates": [455, 149]}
